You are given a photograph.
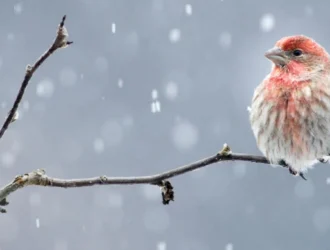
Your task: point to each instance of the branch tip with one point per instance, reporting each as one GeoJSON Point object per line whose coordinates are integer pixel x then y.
{"type": "Point", "coordinates": [62, 35]}
{"type": "Point", "coordinates": [59, 42]}
{"type": "Point", "coordinates": [37, 177]}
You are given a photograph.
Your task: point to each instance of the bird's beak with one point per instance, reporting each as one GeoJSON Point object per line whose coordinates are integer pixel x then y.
{"type": "Point", "coordinates": [277, 56]}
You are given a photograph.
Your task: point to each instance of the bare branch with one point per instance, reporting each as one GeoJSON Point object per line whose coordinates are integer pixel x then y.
{"type": "Point", "coordinates": [39, 177]}
{"type": "Point", "coordinates": [59, 42]}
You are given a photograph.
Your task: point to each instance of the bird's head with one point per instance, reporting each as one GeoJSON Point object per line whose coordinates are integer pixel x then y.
{"type": "Point", "coordinates": [298, 55]}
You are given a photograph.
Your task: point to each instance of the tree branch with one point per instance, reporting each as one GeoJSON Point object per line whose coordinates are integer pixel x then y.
{"type": "Point", "coordinates": [39, 177]}
{"type": "Point", "coordinates": [59, 42]}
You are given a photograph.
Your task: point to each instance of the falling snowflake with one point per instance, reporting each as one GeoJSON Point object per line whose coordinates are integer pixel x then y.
{"type": "Point", "coordinates": [37, 222]}
{"type": "Point", "coordinates": [155, 107]}
{"type": "Point", "coordinates": [174, 35]}
{"type": "Point", "coordinates": [120, 83]}
{"type": "Point", "coordinates": [171, 90]}
{"type": "Point", "coordinates": [45, 88]}
{"type": "Point", "coordinates": [188, 9]}
{"type": "Point", "coordinates": [18, 8]}
{"type": "Point", "coordinates": [161, 245]}
{"type": "Point", "coordinates": [113, 28]}
{"type": "Point", "coordinates": [267, 22]}
{"type": "Point", "coordinates": [229, 246]}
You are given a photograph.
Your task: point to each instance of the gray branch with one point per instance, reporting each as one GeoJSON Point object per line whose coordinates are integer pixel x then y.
{"type": "Point", "coordinates": [59, 42]}
{"type": "Point", "coordinates": [39, 177]}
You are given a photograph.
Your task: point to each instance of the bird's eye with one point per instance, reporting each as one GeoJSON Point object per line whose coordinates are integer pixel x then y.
{"type": "Point", "coordinates": [297, 52]}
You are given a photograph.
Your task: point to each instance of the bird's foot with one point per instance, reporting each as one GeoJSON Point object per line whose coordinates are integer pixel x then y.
{"type": "Point", "coordinates": [283, 163]}
{"type": "Point", "coordinates": [291, 170]}
{"type": "Point", "coordinates": [323, 160]}
{"type": "Point", "coordinates": [296, 173]}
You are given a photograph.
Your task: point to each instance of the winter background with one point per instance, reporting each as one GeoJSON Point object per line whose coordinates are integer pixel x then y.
{"type": "Point", "coordinates": [148, 86]}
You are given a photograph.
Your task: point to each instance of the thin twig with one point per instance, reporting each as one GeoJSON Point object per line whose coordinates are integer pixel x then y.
{"type": "Point", "coordinates": [59, 42]}
{"type": "Point", "coordinates": [39, 177]}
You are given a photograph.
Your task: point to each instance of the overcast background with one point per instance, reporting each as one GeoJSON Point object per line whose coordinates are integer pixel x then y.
{"type": "Point", "coordinates": [147, 86]}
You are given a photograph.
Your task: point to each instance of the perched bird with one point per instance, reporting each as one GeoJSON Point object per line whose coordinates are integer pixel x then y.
{"type": "Point", "coordinates": [290, 111]}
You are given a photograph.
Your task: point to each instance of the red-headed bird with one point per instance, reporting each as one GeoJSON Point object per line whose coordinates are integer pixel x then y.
{"type": "Point", "coordinates": [290, 111]}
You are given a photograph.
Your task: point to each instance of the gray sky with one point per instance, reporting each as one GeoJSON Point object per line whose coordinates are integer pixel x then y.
{"type": "Point", "coordinates": [148, 86]}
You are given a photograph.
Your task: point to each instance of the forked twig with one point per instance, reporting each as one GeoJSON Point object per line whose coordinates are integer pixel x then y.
{"type": "Point", "coordinates": [59, 42]}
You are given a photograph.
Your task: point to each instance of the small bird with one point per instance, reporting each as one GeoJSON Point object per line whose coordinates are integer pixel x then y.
{"type": "Point", "coordinates": [290, 110]}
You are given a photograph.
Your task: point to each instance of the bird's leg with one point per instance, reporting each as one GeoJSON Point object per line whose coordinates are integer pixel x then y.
{"type": "Point", "coordinates": [291, 170]}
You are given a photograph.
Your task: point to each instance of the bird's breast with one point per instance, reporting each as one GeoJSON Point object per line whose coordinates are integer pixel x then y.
{"type": "Point", "coordinates": [291, 119]}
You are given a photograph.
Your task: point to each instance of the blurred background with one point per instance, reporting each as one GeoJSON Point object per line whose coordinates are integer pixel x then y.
{"type": "Point", "coordinates": [148, 86]}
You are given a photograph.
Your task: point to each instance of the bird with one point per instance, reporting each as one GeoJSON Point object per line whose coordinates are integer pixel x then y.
{"type": "Point", "coordinates": [290, 109]}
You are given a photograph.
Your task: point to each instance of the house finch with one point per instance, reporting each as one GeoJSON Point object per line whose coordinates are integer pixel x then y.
{"type": "Point", "coordinates": [290, 111]}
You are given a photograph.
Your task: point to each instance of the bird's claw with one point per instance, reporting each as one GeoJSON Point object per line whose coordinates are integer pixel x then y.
{"type": "Point", "coordinates": [302, 176]}
{"type": "Point", "coordinates": [322, 160]}
{"type": "Point", "coordinates": [296, 173]}
{"type": "Point", "coordinates": [291, 170]}
{"type": "Point", "coordinates": [283, 163]}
